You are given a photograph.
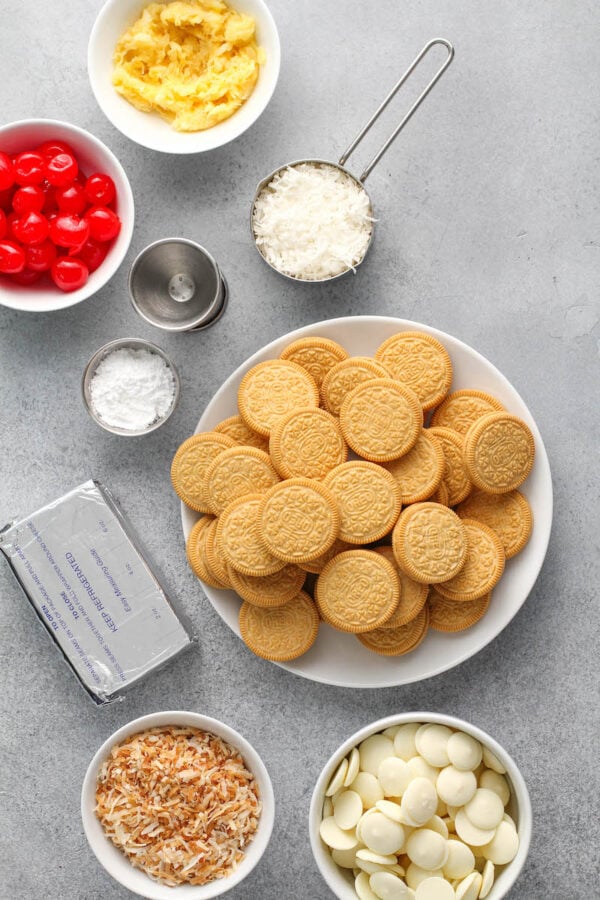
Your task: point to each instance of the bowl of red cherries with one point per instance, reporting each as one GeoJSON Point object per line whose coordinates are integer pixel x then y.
{"type": "Point", "coordinates": [66, 214]}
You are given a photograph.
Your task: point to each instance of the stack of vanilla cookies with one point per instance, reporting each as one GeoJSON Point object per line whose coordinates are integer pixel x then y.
{"type": "Point", "coordinates": [356, 491]}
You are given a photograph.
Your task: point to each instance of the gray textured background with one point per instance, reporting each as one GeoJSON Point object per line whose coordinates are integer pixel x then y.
{"type": "Point", "coordinates": [489, 230]}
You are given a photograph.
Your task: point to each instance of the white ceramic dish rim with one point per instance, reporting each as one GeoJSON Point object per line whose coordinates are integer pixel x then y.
{"type": "Point", "coordinates": [330, 871]}
{"type": "Point", "coordinates": [157, 134]}
{"type": "Point", "coordinates": [220, 600]}
{"type": "Point", "coordinates": [117, 251]}
{"type": "Point", "coordinates": [117, 865]}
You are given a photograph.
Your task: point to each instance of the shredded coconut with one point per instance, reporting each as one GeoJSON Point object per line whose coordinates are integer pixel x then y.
{"type": "Point", "coordinates": [180, 803]}
{"type": "Point", "coordinates": [312, 221]}
{"type": "Point", "coordinates": [132, 389]}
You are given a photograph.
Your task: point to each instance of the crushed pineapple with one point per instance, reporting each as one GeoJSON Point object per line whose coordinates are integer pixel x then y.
{"type": "Point", "coordinates": [193, 61]}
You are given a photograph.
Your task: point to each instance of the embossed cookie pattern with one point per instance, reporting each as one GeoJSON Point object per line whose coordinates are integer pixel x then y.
{"type": "Point", "coordinates": [357, 591]}
{"type": "Point", "coordinates": [499, 452]}
{"type": "Point", "coordinates": [236, 472]}
{"type": "Point", "coordinates": [419, 361]}
{"type": "Point", "coordinates": [483, 566]}
{"type": "Point", "coordinates": [299, 520]}
{"type": "Point", "coordinates": [381, 419]}
{"type": "Point", "coordinates": [191, 463]}
{"type": "Point", "coordinates": [346, 376]}
{"type": "Point", "coordinates": [317, 355]}
{"type": "Point", "coordinates": [280, 633]}
{"type": "Point", "coordinates": [397, 641]}
{"type": "Point", "coordinates": [368, 501]}
{"type": "Point", "coordinates": [461, 408]}
{"type": "Point", "coordinates": [273, 388]}
{"type": "Point", "coordinates": [307, 443]}
{"type": "Point", "coordinates": [239, 538]}
{"type": "Point", "coordinates": [429, 542]}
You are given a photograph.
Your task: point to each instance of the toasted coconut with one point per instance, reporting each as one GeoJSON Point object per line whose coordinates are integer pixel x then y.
{"type": "Point", "coordinates": [180, 804]}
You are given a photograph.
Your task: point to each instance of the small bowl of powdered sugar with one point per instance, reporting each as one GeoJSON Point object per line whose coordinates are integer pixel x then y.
{"type": "Point", "coordinates": [130, 387]}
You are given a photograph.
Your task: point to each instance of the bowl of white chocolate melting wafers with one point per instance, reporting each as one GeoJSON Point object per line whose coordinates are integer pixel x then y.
{"type": "Point", "coordinates": [420, 806]}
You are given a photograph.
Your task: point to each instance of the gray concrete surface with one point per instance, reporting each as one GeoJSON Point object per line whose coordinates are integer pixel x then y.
{"type": "Point", "coordinates": [489, 229]}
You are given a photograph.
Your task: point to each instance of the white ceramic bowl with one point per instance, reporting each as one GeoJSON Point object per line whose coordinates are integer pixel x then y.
{"type": "Point", "coordinates": [117, 864]}
{"type": "Point", "coordinates": [338, 658]}
{"type": "Point", "coordinates": [150, 129]}
{"type": "Point", "coordinates": [341, 881]}
{"type": "Point", "coordinates": [92, 156]}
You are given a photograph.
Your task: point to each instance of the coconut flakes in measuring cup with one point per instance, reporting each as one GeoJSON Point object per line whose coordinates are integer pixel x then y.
{"type": "Point", "coordinates": [312, 221]}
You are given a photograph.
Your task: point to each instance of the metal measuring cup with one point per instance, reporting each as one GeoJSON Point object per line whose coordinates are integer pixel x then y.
{"type": "Point", "coordinates": [347, 153]}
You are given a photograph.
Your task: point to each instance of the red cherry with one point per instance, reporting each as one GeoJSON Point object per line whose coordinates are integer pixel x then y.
{"type": "Point", "coordinates": [69, 274]}
{"type": "Point", "coordinates": [10, 221]}
{"type": "Point", "coordinates": [12, 258]}
{"type": "Point", "coordinates": [71, 199]}
{"type": "Point", "coordinates": [49, 197]}
{"type": "Point", "coordinates": [29, 168]}
{"type": "Point", "coordinates": [30, 198]}
{"type": "Point", "coordinates": [69, 231]}
{"type": "Point", "coordinates": [7, 173]}
{"type": "Point", "coordinates": [62, 169]}
{"type": "Point", "coordinates": [3, 224]}
{"type": "Point", "coordinates": [6, 199]}
{"type": "Point", "coordinates": [51, 148]}
{"type": "Point", "coordinates": [104, 223]}
{"type": "Point", "coordinates": [39, 257]}
{"type": "Point", "coordinates": [26, 277]}
{"type": "Point", "coordinates": [100, 189]}
{"type": "Point", "coordinates": [93, 254]}
{"type": "Point", "coordinates": [32, 228]}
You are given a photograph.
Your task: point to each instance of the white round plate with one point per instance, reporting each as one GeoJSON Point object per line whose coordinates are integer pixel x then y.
{"type": "Point", "coordinates": [338, 658]}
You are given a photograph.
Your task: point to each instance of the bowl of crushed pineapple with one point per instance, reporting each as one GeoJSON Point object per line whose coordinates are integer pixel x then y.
{"type": "Point", "coordinates": [184, 76]}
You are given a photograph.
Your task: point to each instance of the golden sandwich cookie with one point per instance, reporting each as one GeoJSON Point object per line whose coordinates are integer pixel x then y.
{"type": "Point", "coordinates": [213, 558]}
{"type": "Point", "coordinates": [413, 594]}
{"type": "Point", "coordinates": [268, 590]}
{"type": "Point", "coordinates": [441, 495]}
{"type": "Point", "coordinates": [236, 472]}
{"type": "Point", "coordinates": [381, 419]}
{"type": "Point", "coordinates": [368, 499]}
{"type": "Point", "coordinates": [196, 552]}
{"type": "Point", "coordinates": [456, 476]}
{"type": "Point", "coordinates": [316, 566]}
{"type": "Point", "coordinates": [190, 464]}
{"type": "Point", "coordinates": [419, 361]}
{"type": "Point", "coordinates": [509, 515]}
{"type": "Point", "coordinates": [461, 408]}
{"type": "Point", "coordinates": [317, 355]}
{"type": "Point", "coordinates": [419, 472]}
{"type": "Point", "coordinates": [273, 388]}
{"type": "Point", "coordinates": [483, 567]}
{"type": "Point", "coordinates": [346, 376]}
{"type": "Point", "coordinates": [357, 591]}
{"type": "Point", "coordinates": [280, 633]}
{"type": "Point", "coordinates": [299, 520]}
{"type": "Point", "coordinates": [235, 428]}
{"type": "Point", "coordinates": [429, 542]}
{"type": "Point", "coordinates": [449, 616]}
{"type": "Point", "coordinates": [307, 443]}
{"type": "Point", "coordinates": [397, 641]}
{"type": "Point", "coordinates": [499, 452]}
{"type": "Point", "coordinates": [239, 541]}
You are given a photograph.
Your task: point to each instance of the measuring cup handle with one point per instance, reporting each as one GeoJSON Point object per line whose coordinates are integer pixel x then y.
{"type": "Point", "coordinates": [344, 157]}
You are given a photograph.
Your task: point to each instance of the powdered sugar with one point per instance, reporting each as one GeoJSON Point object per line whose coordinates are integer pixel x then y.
{"type": "Point", "coordinates": [132, 389]}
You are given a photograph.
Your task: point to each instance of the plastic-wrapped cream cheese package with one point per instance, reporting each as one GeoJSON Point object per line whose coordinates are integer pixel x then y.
{"type": "Point", "coordinates": [80, 566]}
